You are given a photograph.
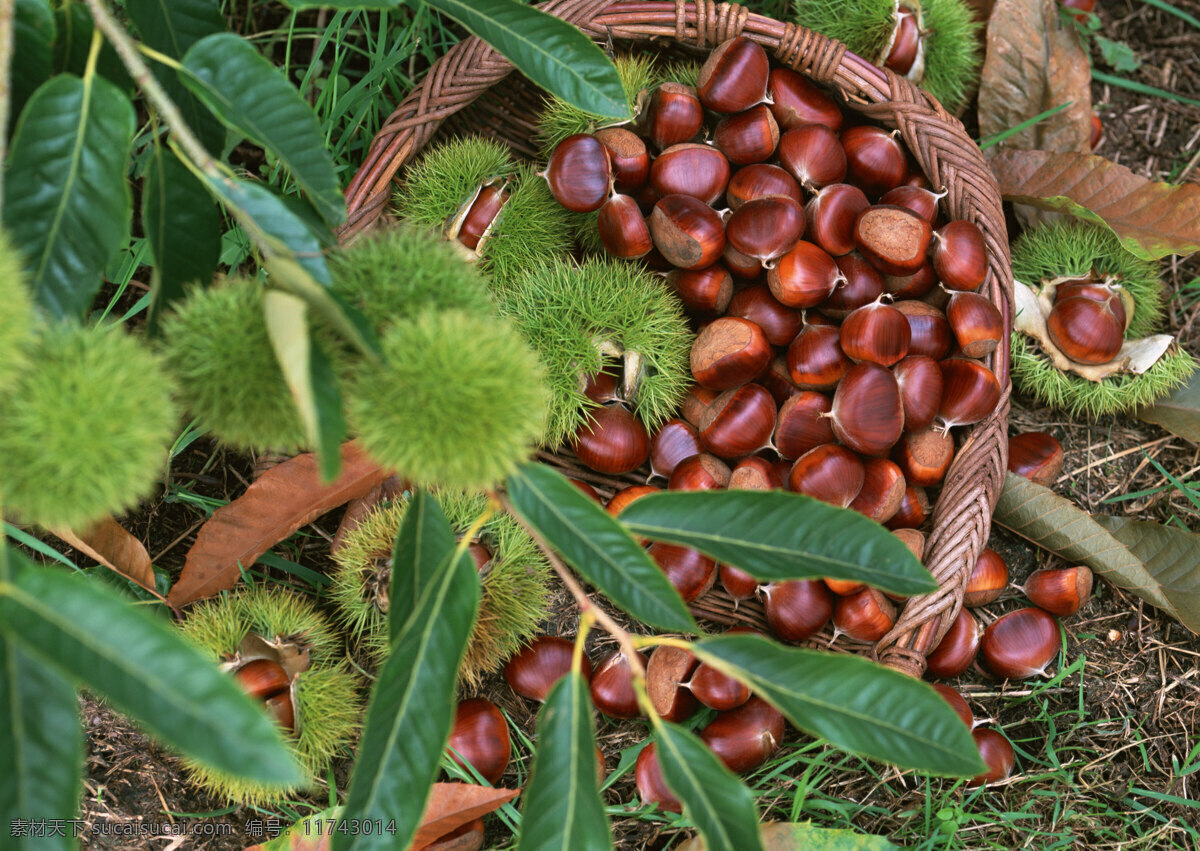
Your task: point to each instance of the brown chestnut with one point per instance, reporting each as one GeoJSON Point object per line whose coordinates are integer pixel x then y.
{"type": "Point", "coordinates": [729, 352]}
{"type": "Point", "coordinates": [1085, 330]}
{"type": "Point", "coordinates": [920, 381]}
{"type": "Point", "coordinates": [831, 214]}
{"type": "Point", "coordinates": [804, 277]}
{"type": "Point", "coordinates": [894, 240]}
{"type": "Point", "coordinates": [959, 255]}
{"type": "Point", "coordinates": [700, 171]}
{"type": "Point", "coordinates": [906, 42]}
{"type": "Point", "coordinates": [924, 456]}
{"type": "Point", "coordinates": [755, 473]}
{"type": "Point", "coordinates": [734, 76]}
{"type": "Point", "coordinates": [865, 615]}
{"type": "Point", "coordinates": [970, 392]}
{"type": "Point", "coordinates": [738, 422]}
{"type": "Point", "coordinates": [612, 686]}
{"type": "Point", "coordinates": [705, 292]}
{"type": "Point", "coordinates": [875, 161]}
{"type": "Point", "coordinates": [700, 473]}
{"type": "Point", "coordinates": [912, 511]}
{"type": "Point", "coordinates": [613, 442]}
{"type": "Point", "coordinates": [801, 425]}
{"type": "Point", "coordinates": [956, 651]}
{"type": "Point", "coordinates": [482, 213]}
{"type": "Point", "coordinates": [689, 571]}
{"type": "Point", "coordinates": [813, 155]}
{"type": "Point", "coordinates": [798, 608]}
{"type": "Point", "coordinates": [867, 414]}
{"type": "Point", "coordinates": [976, 322]}
{"type": "Point", "coordinates": [744, 738]}
{"type": "Point", "coordinates": [779, 322]}
{"type": "Point", "coordinates": [830, 473]}
{"type": "Point", "coordinates": [688, 232]}
{"type": "Point", "coordinates": [815, 359]}
{"type": "Point", "coordinates": [1037, 456]}
{"type": "Point", "coordinates": [1020, 644]}
{"type": "Point", "coordinates": [1060, 591]}
{"type": "Point", "coordinates": [650, 783]}
{"type": "Point", "coordinates": [862, 285]}
{"type": "Point", "coordinates": [930, 330]}
{"type": "Point", "coordinates": [957, 703]}
{"type": "Point", "coordinates": [262, 678]}
{"type": "Point", "coordinates": [737, 583]}
{"type": "Point", "coordinates": [882, 490]}
{"type": "Point", "coordinates": [674, 441]}
{"type": "Point", "coordinates": [876, 332]}
{"type": "Point", "coordinates": [766, 228]}
{"type": "Point", "coordinates": [630, 159]}
{"type": "Point", "coordinates": [666, 672]}
{"type": "Point", "coordinates": [673, 115]}
{"type": "Point", "coordinates": [918, 199]}
{"type": "Point", "coordinates": [997, 753]}
{"type": "Point", "coordinates": [758, 181]}
{"type": "Point", "coordinates": [717, 690]}
{"type": "Point", "coordinates": [282, 711]}
{"type": "Point", "coordinates": [747, 137]}
{"type": "Point", "coordinates": [796, 100]}
{"type": "Point", "coordinates": [479, 738]}
{"type": "Point", "coordinates": [580, 173]}
{"type": "Point", "coordinates": [622, 498]}
{"type": "Point", "coordinates": [988, 579]}
{"type": "Point", "coordinates": [916, 285]}
{"type": "Point", "coordinates": [623, 230]}
{"type": "Point", "coordinates": [537, 666]}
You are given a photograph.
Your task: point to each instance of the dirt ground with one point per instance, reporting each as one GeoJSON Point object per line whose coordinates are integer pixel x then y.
{"type": "Point", "coordinates": [1140, 684]}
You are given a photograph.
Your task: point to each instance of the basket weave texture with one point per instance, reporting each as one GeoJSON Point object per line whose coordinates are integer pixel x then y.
{"type": "Point", "coordinates": [467, 90]}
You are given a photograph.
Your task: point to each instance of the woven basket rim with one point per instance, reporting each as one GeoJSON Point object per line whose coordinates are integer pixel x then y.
{"type": "Point", "coordinates": [948, 156]}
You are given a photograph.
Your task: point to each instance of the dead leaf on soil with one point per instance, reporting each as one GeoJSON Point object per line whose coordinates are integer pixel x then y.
{"type": "Point", "coordinates": [1179, 412]}
{"type": "Point", "coordinates": [1151, 219]}
{"type": "Point", "coordinates": [804, 836]}
{"type": "Point", "coordinates": [1033, 63]}
{"type": "Point", "coordinates": [112, 546]}
{"type": "Point", "coordinates": [1148, 560]}
{"type": "Point", "coordinates": [282, 500]}
{"type": "Point", "coordinates": [452, 805]}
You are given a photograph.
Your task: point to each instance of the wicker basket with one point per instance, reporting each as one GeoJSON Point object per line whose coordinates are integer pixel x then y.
{"type": "Point", "coordinates": [472, 89]}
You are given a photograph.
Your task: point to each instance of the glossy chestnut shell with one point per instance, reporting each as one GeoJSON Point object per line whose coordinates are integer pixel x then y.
{"type": "Point", "coordinates": [956, 651]}
{"type": "Point", "coordinates": [738, 422]}
{"type": "Point", "coordinates": [535, 668]}
{"type": "Point", "coordinates": [480, 737]}
{"type": "Point", "coordinates": [997, 752]}
{"type": "Point", "coordinates": [687, 232]}
{"type": "Point", "coordinates": [1037, 456]}
{"type": "Point", "coordinates": [1060, 591]}
{"type": "Point", "coordinates": [729, 352]}
{"type": "Point", "coordinates": [674, 441]}
{"type": "Point", "coordinates": [779, 322]}
{"type": "Point", "coordinates": [803, 277]}
{"type": "Point", "coordinates": [1020, 644]}
{"type": "Point", "coordinates": [580, 173]}
{"type": "Point", "coordinates": [744, 738]}
{"type": "Point", "coordinates": [867, 413]}
{"type": "Point", "coordinates": [613, 442]}
{"type": "Point", "coordinates": [876, 332]}
{"type": "Point", "coordinates": [795, 100]}
{"type": "Point", "coordinates": [830, 473]}
{"type": "Point", "coordinates": [797, 609]}
{"type": "Point", "coordinates": [734, 76]}
{"type": "Point", "coordinates": [758, 181]}
{"type": "Point", "coordinates": [988, 579]}
{"type": "Point", "coordinates": [612, 686]}
{"type": "Point", "coordinates": [800, 424]}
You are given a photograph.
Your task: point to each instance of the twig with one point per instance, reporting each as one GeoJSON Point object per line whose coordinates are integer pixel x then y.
{"type": "Point", "coordinates": [7, 16]}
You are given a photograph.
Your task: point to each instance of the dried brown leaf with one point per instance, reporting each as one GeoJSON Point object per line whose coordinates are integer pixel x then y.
{"type": "Point", "coordinates": [1032, 64]}
{"type": "Point", "coordinates": [1171, 554]}
{"type": "Point", "coordinates": [1179, 412]}
{"type": "Point", "coordinates": [1151, 219]}
{"type": "Point", "coordinates": [282, 500]}
{"type": "Point", "coordinates": [452, 805]}
{"type": "Point", "coordinates": [112, 546]}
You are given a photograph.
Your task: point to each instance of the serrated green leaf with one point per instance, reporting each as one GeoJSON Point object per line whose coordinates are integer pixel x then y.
{"type": "Point", "coordinates": [292, 254]}
{"type": "Point", "coordinates": [41, 745]}
{"type": "Point", "coordinates": [552, 53]}
{"type": "Point", "coordinates": [716, 801]}
{"type": "Point", "coordinates": [33, 50]}
{"type": "Point", "coordinates": [251, 96]}
{"type": "Point", "coordinates": [563, 810]}
{"type": "Point", "coordinates": [424, 539]}
{"type": "Point", "coordinates": [145, 669]}
{"type": "Point", "coordinates": [412, 709]}
{"type": "Point", "coordinates": [183, 230]}
{"type": "Point", "coordinates": [1171, 555]}
{"type": "Point", "coordinates": [597, 546]}
{"type": "Point", "coordinates": [774, 535]}
{"type": "Point", "coordinates": [858, 705]}
{"type": "Point", "coordinates": [67, 204]}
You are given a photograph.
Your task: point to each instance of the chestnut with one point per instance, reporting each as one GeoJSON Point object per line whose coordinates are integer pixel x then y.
{"type": "Point", "coordinates": [1085, 330]}
{"type": "Point", "coordinates": [875, 161]}
{"type": "Point", "coordinates": [766, 228]}
{"type": "Point", "coordinates": [696, 401]}
{"type": "Point", "coordinates": [1020, 644]}
{"type": "Point", "coordinates": [959, 255]}
{"type": "Point", "coordinates": [798, 608]}
{"type": "Point", "coordinates": [688, 232]}
{"type": "Point", "coordinates": [689, 571]}
{"type": "Point", "coordinates": [916, 198]}
{"type": "Point", "coordinates": [920, 381]}
{"type": "Point", "coordinates": [688, 169]}
{"type": "Point", "coordinates": [747, 137]}
{"type": "Point", "coordinates": [580, 173]}
{"type": "Point", "coordinates": [865, 615]}
{"type": "Point", "coordinates": [976, 322]}
{"type": "Point", "coordinates": [957, 703]}
{"type": "Point", "coordinates": [1037, 456]}
{"type": "Point", "coordinates": [717, 690]}
{"type": "Point", "coordinates": [674, 441]}
{"type": "Point", "coordinates": [737, 583]}
{"type": "Point", "coordinates": [729, 352]}
{"type": "Point", "coordinates": [894, 240]}
{"type": "Point", "coordinates": [602, 387]}
{"type": "Point", "coordinates": [650, 783]}
{"type": "Point", "coordinates": [755, 473]}
{"type": "Point", "coordinates": [629, 157]}
{"type": "Point", "coordinates": [882, 490]}
{"type": "Point", "coordinates": [744, 738]}
{"type": "Point", "coordinates": [988, 579]}
{"type": "Point", "coordinates": [622, 498]}
{"type": "Point", "coordinates": [815, 359]}
{"type": "Point", "coordinates": [262, 678]}
{"type": "Point", "coordinates": [734, 76]}
{"type": "Point", "coordinates": [739, 265]}
{"type": "Point", "coordinates": [804, 277]}
{"type": "Point", "coordinates": [867, 414]}
{"type": "Point", "coordinates": [282, 711]}
{"type": "Point", "coordinates": [479, 738]}
{"type": "Point", "coordinates": [875, 332]}
{"type": "Point", "coordinates": [801, 425]}
{"type": "Point", "coordinates": [906, 42]}
{"type": "Point", "coordinates": [956, 651]}
{"type": "Point", "coordinates": [916, 285]}
{"type": "Point", "coordinates": [482, 213]}
{"type": "Point", "coordinates": [588, 490]}
{"type": "Point", "coordinates": [623, 231]}
{"type": "Point", "coordinates": [830, 473]}
{"type": "Point", "coordinates": [738, 422]}
{"type": "Point", "coordinates": [700, 473]}
{"type": "Point", "coordinates": [997, 753]}
{"type": "Point", "coordinates": [813, 155]}
{"type": "Point", "coordinates": [1108, 292]}
{"type": "Point", "coordinates": [666, 672]}
{"type": "Point", "coordinates": [796, 100]}
{"type": "Point", "coordinates": [705, 292]}
{"type": "Point", "coordinates": [924, 456]}
{"type": "Point", "coordinates": [673, 115]}
{"type": "Point", "coordinates": [843, 587]}
{"type": "Point", "coordinates": [612, 686]}
{"type": "Point", "coordinates": [778, 381]}
{"type": "Point", "coordinates": [779, 322]}
{"type": "Point", "coordinates": [912, 511]}
{"type": "Point", "coordinates": [914, 540]}
{"type": "Point", "coordinates": [930, 330]}
{"type": "Point", "coordinates": [758, 181]}
{"type": "Point", "coordinates": [1060, 591]}
{"type": "Point", "coordinates": [614, 442]}
{"type": "Point", "coordinates": [970, 392]}
{"type": "Point", "coordinates": [831, 214]}
{"type": "Point", "coordinates": [862, 285]}
{"type": "Point", "coordinates": [537, 666]}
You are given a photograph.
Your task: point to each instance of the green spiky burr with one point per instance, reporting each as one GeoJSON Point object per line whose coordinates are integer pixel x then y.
{"type": "Point", "coordinates": [458, 400]}
{"type": "Point", "coordinates": [515, 584]}
{"type": "Point", "coordinates": [16, 319]}
{"type": "Point", "coordinates": [576, 314]}
{"type": "Point", "coordinates": [561, 119]}
{"type": "Point", "coordinates": [951, 44]}
{"type": "Point", "coordinates": [85, 428]}
{"type": "Point", "coordinates": [284, 627]}
{"type": "Point", "coordinates": [1067, 249]}
{"type": "Point", "coordinates": [218, 348]}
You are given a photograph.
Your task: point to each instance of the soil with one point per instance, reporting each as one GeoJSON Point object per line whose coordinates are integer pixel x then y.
{"type": "Point", "coordinates": [1138, 686]}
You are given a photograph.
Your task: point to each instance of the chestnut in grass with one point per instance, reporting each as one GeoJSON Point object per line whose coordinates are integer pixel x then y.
{"type": "Point", "coordinates": [535, 668]}
{"type": "Point", "coordinates": [622, 228]}
{"type": "Point", "coordinates": [1060, 591]}
{"type": "Point", "coordinates": [744, 738]}
{"type": "Point", "coordinates": [958, 648]}
{"type": "Point", "coordinates": [957, 703]}
{"type": "Point", "coordinates": [651, 786]}
{"type": "Point", "coordinates": [997, 753]}
{"type": "Point", "coordinates": [1020, 644]}
{"type": "Point", "coordinates": [479, 738]}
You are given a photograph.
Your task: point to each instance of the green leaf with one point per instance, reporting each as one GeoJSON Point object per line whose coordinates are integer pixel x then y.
{"type": "Point", "coordinates": [1056, 524]}
{"type": "Point", "coordinates": [183, 230]}
{"type": "Point", "coordinates": [424, 539]}
{"type": "Point", "coordinates": [774, 535]}
{"type": "Point", "coordinates": [597, 546]}
{"type": "Point", "coordinates": [33, 50]}
{"type": "Point", "coordinates": [72, 43]}
{"type": "Point", "coordinates": [1117, 54]}
{"type": "Point", "coordinates": [552, 53]}
{"type": "Point", "coordinates": [1171, 555]}
{"type": "Point", "coordinates": [41, 746]}
{"type": "Point", "coordinates": [712, 796]}
{"type": "Point", "coordinates": [309, 376]}
{"type": "Point", "coordinates": [563, 810]}
{"type": "Point", "coordinates": [804, 836]}
{"type": "Point", "coordinates": [251, 96]}
{"type": "Point", "coordinates": [1178, 412]}
{"type": "Point", "coordinates": [412, 709]}
{"type": "Point", "coordinates": [67, 203]}
{"type": "Point", "coordinates": [292, 254]}
{"type": "Point", "coordinates": [145, 669]}
{"type": "Point", "coordinates": [858, 705]}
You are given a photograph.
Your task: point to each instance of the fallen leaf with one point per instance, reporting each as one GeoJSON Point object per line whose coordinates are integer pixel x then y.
{"type": "Point", "coordinates": [112, 546]}
{"type": "Point", "coordinates": [1171, 555]}
{"type": "Point", "coordinates": [452, 805]}
{"type": "Point", "coordinates": [311, 833]}
{"type": "Point", "coordinates": [1059, 526]}
{"type": "Point", "coordinates": [283, 499]}
{"type": "Point", "coordinates": [1032, 64]}
{"type": "Point", "coordinates": [804, 836]}
{"type": "Point", "coordinates": [1151, 219]}
{"type": "Point", "coordinates": [1179, 412]}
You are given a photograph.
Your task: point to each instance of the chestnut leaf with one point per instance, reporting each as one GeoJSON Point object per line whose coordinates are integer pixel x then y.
{"type": "Point", "coordinates": [774, 535]}
{"type": "Point", "coordinates": [424, 538]}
